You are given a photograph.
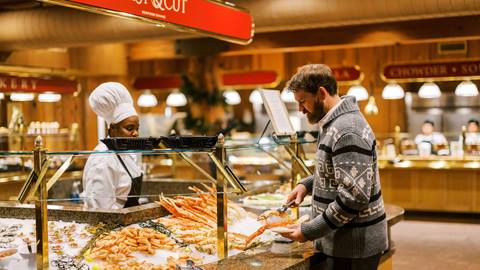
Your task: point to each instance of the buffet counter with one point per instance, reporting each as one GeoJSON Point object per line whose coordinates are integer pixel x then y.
{"type": "Point", "coordinates": [434, 183]}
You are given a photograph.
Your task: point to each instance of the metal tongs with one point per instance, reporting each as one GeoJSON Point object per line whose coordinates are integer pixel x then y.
{"type": "Point", "coordinates": [285, 207]}
{"type": "Point", "coordinates": [190, 266]}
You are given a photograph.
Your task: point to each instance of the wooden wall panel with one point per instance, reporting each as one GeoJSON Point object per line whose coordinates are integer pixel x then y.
{"type": "Point", "coordinates": [432, 190]}
{"type": "Point", "coordinates": [386, 185]}
{"type": "Point", "coordinates": [403, 189]}
{"type": "Point", "coordinates": [460, 191]}
{"type": "Point", "coordinates": [476, 198]}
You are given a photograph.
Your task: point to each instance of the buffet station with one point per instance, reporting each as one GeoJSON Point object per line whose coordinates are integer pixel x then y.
{"type": "Point", "coordinates": [214, 222]}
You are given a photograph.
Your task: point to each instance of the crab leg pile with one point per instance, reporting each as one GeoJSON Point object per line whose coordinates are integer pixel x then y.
{"type": "Point", "coordinates": [116, 247]}
{"type": "Point", "coordinates": [194, 220]}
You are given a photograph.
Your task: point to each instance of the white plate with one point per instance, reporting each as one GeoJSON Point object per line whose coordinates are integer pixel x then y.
{"type": "Point", "coordinates": [281, 230]}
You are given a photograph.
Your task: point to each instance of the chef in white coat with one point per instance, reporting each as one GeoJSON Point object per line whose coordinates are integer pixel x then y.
{"type": "Point", "coordinates": [473, 134]}
{"type": "Point", "coordinates": [111, 181]}
{"type": "Point", "coordinates": [429, 135]}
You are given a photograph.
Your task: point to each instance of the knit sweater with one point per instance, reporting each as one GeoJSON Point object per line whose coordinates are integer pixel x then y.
{"type": "Point", "coordinates": [348, 215]}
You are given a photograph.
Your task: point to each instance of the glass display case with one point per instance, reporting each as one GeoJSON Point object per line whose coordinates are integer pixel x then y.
{"type": "Point", "coordinates": [55, 179]}
{"type": "Point", "coordinates": [198, 206]}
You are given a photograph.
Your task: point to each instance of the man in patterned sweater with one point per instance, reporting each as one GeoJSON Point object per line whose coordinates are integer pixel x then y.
{"type": "Point", "coordinates": [348, 224]}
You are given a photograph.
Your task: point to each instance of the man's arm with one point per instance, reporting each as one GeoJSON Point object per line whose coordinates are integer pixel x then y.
{"type": "Point", "coordinates": [308, 183]}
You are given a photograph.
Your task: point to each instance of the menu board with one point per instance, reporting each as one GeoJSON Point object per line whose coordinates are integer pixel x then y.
{"type": "Point", "coordinates": [277, 112]}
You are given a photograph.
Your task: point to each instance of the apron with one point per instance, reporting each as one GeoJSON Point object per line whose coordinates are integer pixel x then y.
{"type": "Point", "coordinates": [135, 189]}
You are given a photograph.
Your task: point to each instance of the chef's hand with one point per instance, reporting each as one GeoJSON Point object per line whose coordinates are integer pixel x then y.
{"type": "Point", "coordinates": [297, 194]}
{"type": "Point", "coordinates": [296, 234]}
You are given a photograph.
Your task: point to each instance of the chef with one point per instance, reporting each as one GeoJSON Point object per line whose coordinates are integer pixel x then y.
{"type": "Point", "coordinates": [473, 135]}
{"type": "Point", "coordinates": [429, 135]}
{"type": "Point", "coordinates": [111, 181]}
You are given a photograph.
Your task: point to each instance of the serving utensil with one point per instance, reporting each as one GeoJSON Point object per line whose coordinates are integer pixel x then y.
{"type": "Point", "coordinates": [285, 207]}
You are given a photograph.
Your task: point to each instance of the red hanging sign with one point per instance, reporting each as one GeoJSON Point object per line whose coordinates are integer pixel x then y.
{"type": "Point", "coordinates": [347, 74]}
{"type": "Point", "coordinates": [212, 18]}
{"type": "Point", "coordinates": [158, 82]}
{"type": "Point", "coordinates": [251, 79]}
{"type": "Point", "coordinates": [36, 85]}
{"type": "Point", "coordinates": [238, 80]}
{"type": "Point", "coordinates": [427, 71]}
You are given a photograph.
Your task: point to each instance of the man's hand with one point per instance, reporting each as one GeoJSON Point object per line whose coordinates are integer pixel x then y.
{"type": "Point", "coordinates": [297, 194]}
{"type": "Point", "coordinates": [296, 234]}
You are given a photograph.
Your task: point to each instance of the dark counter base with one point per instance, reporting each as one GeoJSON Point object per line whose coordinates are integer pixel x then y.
{"type": "Point", "coordinates": [298, 257]}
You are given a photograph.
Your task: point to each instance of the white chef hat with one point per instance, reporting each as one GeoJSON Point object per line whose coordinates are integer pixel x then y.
{"type": "Point", "coordinates": [112, 102]}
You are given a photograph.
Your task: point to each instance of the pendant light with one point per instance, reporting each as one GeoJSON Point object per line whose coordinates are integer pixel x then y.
{"type": "Point", "coordinates": [429, 90]}
{"type": "Point", "coordinates": [255, 97]}
{"type": "Point", "coordinates": [147, 99]}
{"type": "Point", "coordinates": [371, 107]}
{"type": "Point", "coordinates": [287, 96]}
{"type": "Point", "coordinates": [232, 97]}
{"type": "Point", "coordinates": [176, 99]}
{"type": "Point", "coordinates": [2, 96]}
{"type": "Point", "coordinates": [466, 89]}
{"type": "Point", "coordinates": [358, 91]}
{"type": "Point", "coordinates": [393, 91]}
{"type": "Point", "coordinates": [22, 96]}
{"type": "Point", "coordinates": [49, 97]}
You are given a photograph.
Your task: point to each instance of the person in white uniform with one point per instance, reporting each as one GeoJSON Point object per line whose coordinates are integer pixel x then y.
{"type": "Point", "coordinates": [111, 181]}
{"type": "Point", "coordinates": [429, 135]}
{"type": "Point", "coordinates": [472, 136]}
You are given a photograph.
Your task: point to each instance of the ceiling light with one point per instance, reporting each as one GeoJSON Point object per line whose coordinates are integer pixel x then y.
{"type": "Point", "coordinates": [429, 90]}
{"type": "Point", "coordinates": [49, 97]}
{"type": "Point", "coordinates": [359, 92]}
{"type": "Point", "coordinates": [371, 108]}
{"type": "Point", "coordinates": [22, 96]}
{"type": "Point", "coordinates": [287, 96]}
{"type": "Point", "coordinates": [232, 97]}
{"type": "Point", "coordinates": [466, 89]}
{"type": "Point", "coordinates": [255, 97]}
{"type": "Point", "coordinates": [393, 91]}
{"type": "Point", "coordinates": [2, 96]}
{"type": "Point", "coordinates": [176, 99]}
{"type": "Point", "coordinates": [147, 99]}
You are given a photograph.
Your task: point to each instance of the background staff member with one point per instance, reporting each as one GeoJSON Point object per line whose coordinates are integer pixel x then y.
{"type": "Point", "coordinates": [349, 225]}
{"type": "Point", "coordinates": [472, 136]}
{"type": "Point", "coordinates": [429, 135]}
{"type": "Point", "coordinates": [109, 178]}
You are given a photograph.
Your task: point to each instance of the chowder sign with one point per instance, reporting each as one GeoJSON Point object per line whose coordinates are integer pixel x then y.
{"type": "Point", "coordinates": [212, 18]}
{"type": "Point", "coordinates": [441, 71]}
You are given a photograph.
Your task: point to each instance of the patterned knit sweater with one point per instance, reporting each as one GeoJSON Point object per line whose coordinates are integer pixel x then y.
{"type": "Point", "coordinates": [348, 213]}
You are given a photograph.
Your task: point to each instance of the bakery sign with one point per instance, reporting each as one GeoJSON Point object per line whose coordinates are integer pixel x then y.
{"type": "Point", "coordinates": [347, 75]}
{"type": "Point", "coordinates": [439, 71]}
{"type": "Point", "coordinates": [212, 18]}
{"type": "Point", "coordinates": [36, 85]}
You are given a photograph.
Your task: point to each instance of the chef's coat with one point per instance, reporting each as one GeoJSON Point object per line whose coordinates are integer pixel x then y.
{"type": "Point", "coordinates": [472, 138]}
{"type": "Point", "coordinates": [435, 138]}
{"type": "Point", "coordinates": [106, 183]}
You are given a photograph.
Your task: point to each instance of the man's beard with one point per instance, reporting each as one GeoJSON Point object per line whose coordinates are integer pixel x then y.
{"type": "Point", "coordinates": [317, 114]}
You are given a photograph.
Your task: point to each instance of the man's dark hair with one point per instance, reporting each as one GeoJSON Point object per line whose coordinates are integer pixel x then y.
{"type": "Point", "coordinates": [429, 122]}
{"type": "Point", "coordinates": [310, 77]}
{"type": "Point", "coordinates": [474, 121]}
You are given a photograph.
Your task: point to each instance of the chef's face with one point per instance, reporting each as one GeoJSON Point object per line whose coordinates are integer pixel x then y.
{"type": "Point", "coordinates": [126, 128]}
{"type": "Point", "coordinates": [427, 128]}
{"type": "Point", "coordinates": [472, 127]}
{"type": "Point", "coordinates": [312, 105]}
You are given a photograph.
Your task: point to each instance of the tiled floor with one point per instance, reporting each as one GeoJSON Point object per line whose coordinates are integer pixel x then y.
{"type": "Point", "coordinates": [422, 245]}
